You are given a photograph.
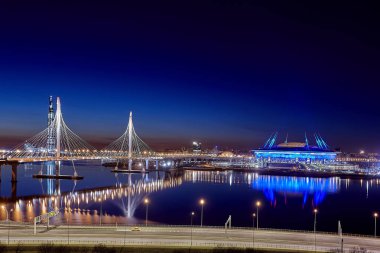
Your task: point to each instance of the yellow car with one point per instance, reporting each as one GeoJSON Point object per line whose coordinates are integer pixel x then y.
{"type": "Point", "coordinates": [135, 229]}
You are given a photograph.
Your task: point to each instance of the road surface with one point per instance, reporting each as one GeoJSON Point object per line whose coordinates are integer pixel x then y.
{"type": "Point", "coordinates": [184, 237]}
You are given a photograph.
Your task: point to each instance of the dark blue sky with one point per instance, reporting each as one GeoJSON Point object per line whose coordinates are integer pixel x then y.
{"type": "Point", "coordinates": [226, 73]}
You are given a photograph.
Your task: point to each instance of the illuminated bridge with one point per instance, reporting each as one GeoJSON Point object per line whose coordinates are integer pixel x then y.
{"type": "Point", "coordinates": [59, 143]}
{"type": "Point", "coordinates": [358, 159]}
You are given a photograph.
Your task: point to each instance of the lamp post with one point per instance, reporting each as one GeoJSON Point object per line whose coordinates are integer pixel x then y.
{"type": "Point", "coordinates": [68, 223]}
{"type": "Point", "coordinates": [202, 202]}
{"type": "Point", "coordinates": [258, 204]}
{"type": "Point", "coordinates": [191, 228]}
{"type": "Point", "coordinates": [125, 232]}
{"type": "Point", "coordinates": [68, 206]}
{"type": "Point", "coordinates": [375, 216]}
{"type": "Point", "coordinates": [146, 202]}
{"type": "Point", "coordinates": [68, 230]}
{"type": "Point", "coordinates": [315, 228]}
{"type": "Point", "coordinates": [101, 211]}
{"type": "Point", "coordinates": [7, 219]}
{"type": "Point", "coordinates": [253, 230]}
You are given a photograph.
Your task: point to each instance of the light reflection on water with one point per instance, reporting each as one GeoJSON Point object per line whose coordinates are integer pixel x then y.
{"type": "Point", "coordinates": [104, 197]}
{"type": "Point", "coordinates": [315, 188]}
{"type": "Point", "coordinates": [126, 197]}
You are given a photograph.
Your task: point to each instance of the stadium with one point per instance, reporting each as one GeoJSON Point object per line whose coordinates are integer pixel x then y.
{"type": "Point", "coordinates": [295, 152]}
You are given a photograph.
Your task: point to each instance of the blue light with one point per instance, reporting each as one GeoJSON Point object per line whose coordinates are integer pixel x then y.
{"type": "Point", "coordinates": [294, 152]}
{"type": "Point", "coordinates": [293, 155]}
{"type": "Point", "coordinates": [317, 188]}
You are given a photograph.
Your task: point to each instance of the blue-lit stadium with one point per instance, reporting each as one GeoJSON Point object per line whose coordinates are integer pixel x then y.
{"type": "Point", "coordinates": [295, 152]}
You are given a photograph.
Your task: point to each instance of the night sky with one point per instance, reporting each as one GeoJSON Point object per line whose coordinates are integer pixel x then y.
{"type": "Point", "coordinates": [226, 73]}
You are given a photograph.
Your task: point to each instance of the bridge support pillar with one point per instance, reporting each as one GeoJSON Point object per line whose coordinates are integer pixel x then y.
{"type": "Point", "coordinates": [14, 172]}
{"type": "Point", "coordinates": [129, 164]}
{"type": "Point", "coordinates": [156, 164]}
{"type": "Point", "coordinates": [14, 190]}
{"type": "Point", "coordinates": [57, 190]}
{"type": "Point", "coordinates": [57, 168]}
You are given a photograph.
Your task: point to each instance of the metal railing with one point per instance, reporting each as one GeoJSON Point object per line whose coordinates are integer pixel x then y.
{"type": "Point", "coordinates": [142, 226]}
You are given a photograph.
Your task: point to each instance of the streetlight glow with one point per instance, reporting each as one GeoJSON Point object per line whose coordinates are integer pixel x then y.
{"type": "Point", "coordinates": [202, 202]}
{"type": "Point", "coordinates": [258, 204]}
{"type": "Point", "coordinates": [315, 211]}
{"type": "Point", "coordinates": [375, 216]}
{"type": "Point", "coordinates": [191, 228]}
{"type": "Point", "coordinates": [146, 202]}
{"type": "Point", "coordinates": [253, 230]}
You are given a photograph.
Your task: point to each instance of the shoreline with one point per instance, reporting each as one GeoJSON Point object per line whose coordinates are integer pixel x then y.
{"type": "Point", "coordinates": [286, 172]}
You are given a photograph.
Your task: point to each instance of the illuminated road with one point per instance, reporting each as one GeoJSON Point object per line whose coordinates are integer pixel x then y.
{"type": "Point", "coordinates": [181, 236]}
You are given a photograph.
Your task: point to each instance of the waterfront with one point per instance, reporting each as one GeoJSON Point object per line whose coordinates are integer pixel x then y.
{"type": "Point", "coordinates": [287, 202]}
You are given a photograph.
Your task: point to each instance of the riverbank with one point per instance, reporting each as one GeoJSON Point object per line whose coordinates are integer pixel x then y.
{"type": "Point", "coordinates": [286, 172]}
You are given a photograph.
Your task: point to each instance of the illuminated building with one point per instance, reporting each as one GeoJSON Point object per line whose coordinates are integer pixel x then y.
{"type": "Point", "coordinates": [197, 147]}
{"type": "Point", "coordinates": [295, 152]}
{"type": "Point", "coordinates": [51, 138]}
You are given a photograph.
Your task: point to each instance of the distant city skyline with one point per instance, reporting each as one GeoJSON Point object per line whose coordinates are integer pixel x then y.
{"type": "Point", "coordinates": [222, 73]}
{"type": "Point", "coordinates": [184, 144]}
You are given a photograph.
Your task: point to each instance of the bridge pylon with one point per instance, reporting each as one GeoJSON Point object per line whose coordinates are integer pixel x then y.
{"type": "Point", "coordinates": [56, 142]}
{"type": "Point", "coordinates": [127, 147]}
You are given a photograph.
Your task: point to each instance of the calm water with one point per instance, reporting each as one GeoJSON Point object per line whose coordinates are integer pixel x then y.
{"type": "Point", "coordinates": [287, 202]}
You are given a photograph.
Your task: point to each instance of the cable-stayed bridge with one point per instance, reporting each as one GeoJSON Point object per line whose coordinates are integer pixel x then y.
{"type": "Point", "coordinates": [58, 143]}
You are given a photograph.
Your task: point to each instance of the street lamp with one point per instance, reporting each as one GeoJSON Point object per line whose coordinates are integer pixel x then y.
{"type": "Point", "coordinates": [202, 202]}
{"type": "Point", "coordinates": [6, 210]}
{"type": "Point", "coordinates": [101, 210]}
{"type": "Point", "coordinates": [315, 228]}
{"type": "Point", "coordinates": [146, 202]}
{"type": "Point", "coordinates": [191, 228]}
{"type": "Point", "coordinates": [375, 216]}
{"type": "Point", "coordinates": [253, 230]}
{"type": "Point", "coordinates": [68, 229]}
{"type": "Point", "coordinates": [258, 204]}
{"type": "Point", "coordinates": [68, 222]}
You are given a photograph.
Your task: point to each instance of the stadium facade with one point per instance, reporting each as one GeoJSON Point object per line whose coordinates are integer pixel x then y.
{"type": "Point", "coordinates": [295, 152]}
